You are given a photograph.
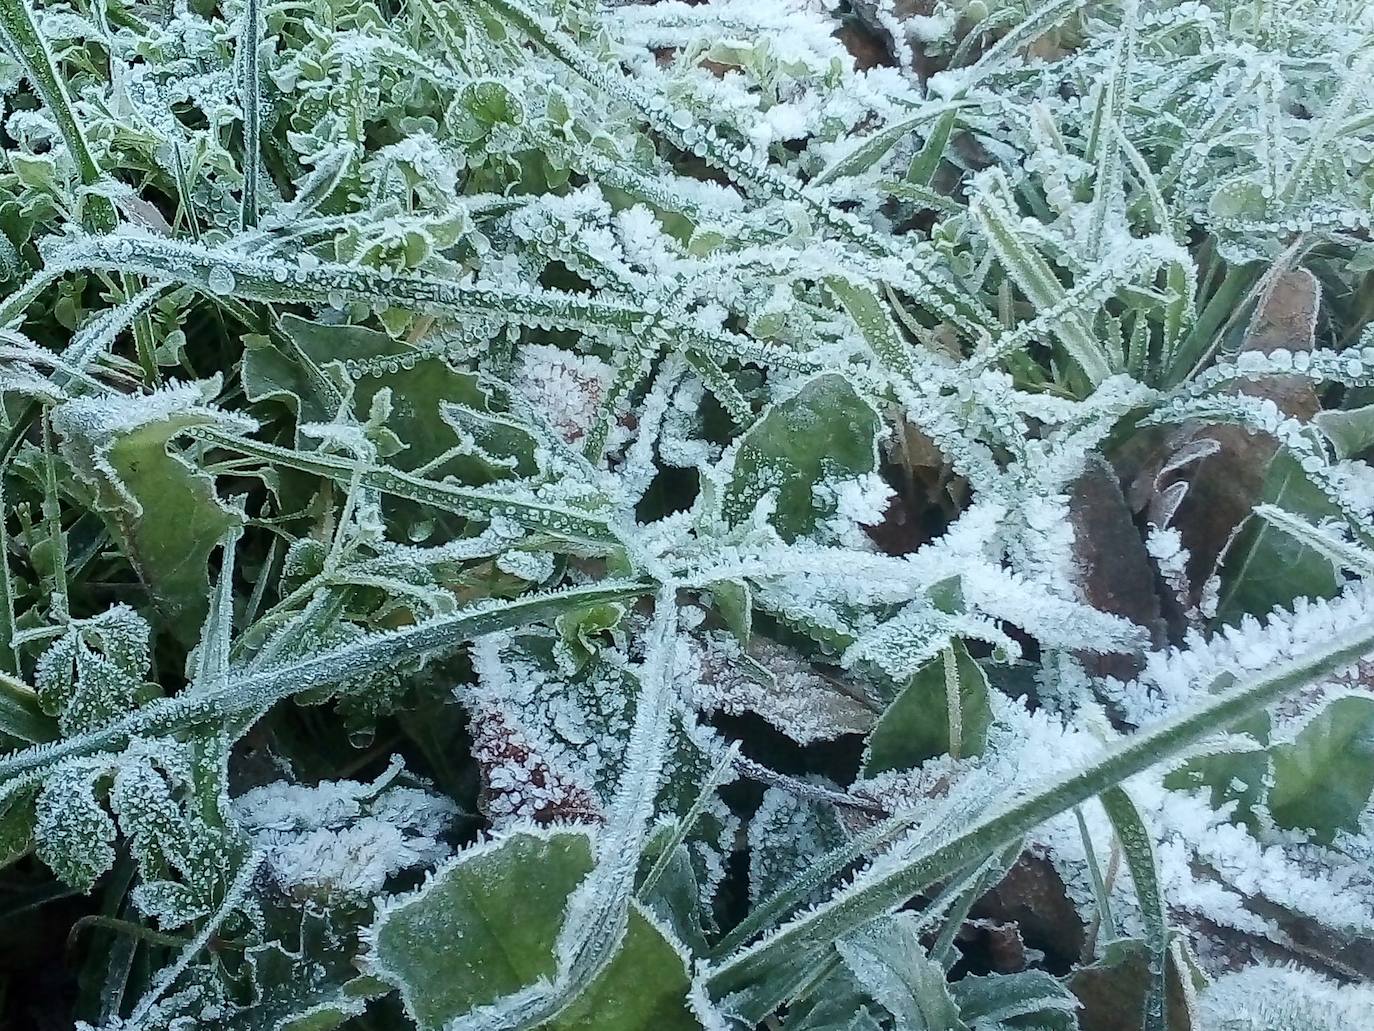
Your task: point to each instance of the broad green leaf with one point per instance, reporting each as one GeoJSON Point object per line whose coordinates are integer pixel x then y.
{"type": "Point", "coordinates": [485, 926]}
{"type": "Point", "coordinates": [1323, 778]}
{"type": "Point", "coordinates": [916, 726]}
{"type": "Point", "coordinates": [164, 510]}
{"type": "Point", "coordinates": [420, 384]}
{"type": "Point", "coordinates": [825, 432]}
{"type": "Point", "coordinates": [313, 987]}
{"type": "Point", "coordinates": [1265, 568]}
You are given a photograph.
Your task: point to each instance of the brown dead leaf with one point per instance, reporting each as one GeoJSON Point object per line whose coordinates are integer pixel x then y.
{"type": "Point", "coordinates": [1032, 895]}
{"type": "Point", "coordinates": [1114, 570]}
{"type": "Point", "coordinates": [1204, 480]}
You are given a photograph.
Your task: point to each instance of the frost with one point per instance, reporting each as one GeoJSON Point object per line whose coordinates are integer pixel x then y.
{"type": "Point", "coordinates": [339, 841]}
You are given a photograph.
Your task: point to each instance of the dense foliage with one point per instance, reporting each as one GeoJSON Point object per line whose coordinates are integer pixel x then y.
{"type": "Point", "coordinates": [670, 517]}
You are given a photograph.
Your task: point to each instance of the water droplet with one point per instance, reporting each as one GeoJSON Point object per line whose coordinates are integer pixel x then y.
{"type": "Point", "coordinates": [220, 280]}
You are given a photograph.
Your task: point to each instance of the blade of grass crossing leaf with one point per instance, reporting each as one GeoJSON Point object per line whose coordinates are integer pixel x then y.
{"type": "Point", "coordinates": [777, 907]}
{"type": "Point", "coordinates": [876, 146]}
{"type": "Point", "coordinates": [225, 275]}
{"type": "Point", "coordinates": [898, 882]}
{"type": "Point", "coordinates": [682, 827]}
{"type": "Point", "coordinates": [1340, 552]}
{"type": "Point", "coordinates": [722, 388]}
{"type": "Point", "coordinates": [1138, 848]}
{"type": "Point", "coordinates": [635, 360]}
{"type": "Point", "coordinates": [1031, 28]}
{"type": "Point", "coordinates": [186, 207]}
{"type": "Point", "coordinates": [472, 502]}
{"type": "Point", "coordinates": [984, 880]}
{"type": "Point", "coordinates": [212, 659]}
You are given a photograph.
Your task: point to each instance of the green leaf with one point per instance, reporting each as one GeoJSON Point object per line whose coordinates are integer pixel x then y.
{"type": "Point", "coordinates": [1324, 777]}
{"type": "Point", "coordinates": [420, 385]}
{"type": "Point", "coordinates": [161, 507]}
{"type": "Point", "coordinates": [312, 987]}
{"type": "Point", "coordinates": [825, 432]}
{"type": "Point", "coordinates": [1031, 998]}
{"type": "Point", "coordinates": [916, 726]}
{"type": "Point", "coordinates": [887, 958]}
{"type": "Point", "coordinates": [1266, 568]}
{"type": "Point", "coordinates": [1350, 431]}
{"type": "Point", "coordinates": [485, 927]}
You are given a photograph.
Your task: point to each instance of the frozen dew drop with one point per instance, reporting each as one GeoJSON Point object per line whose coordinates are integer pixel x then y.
{"type": "Point", "coordinates": [220, 280]}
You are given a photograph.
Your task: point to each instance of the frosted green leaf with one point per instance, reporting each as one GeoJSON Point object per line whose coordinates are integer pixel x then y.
{"type": "Point", "coordinates": [161, 507]}
{"type": "Point", "coordinates": [916, 725]}
{"type": "Point", "coordinates": [73, 834]}
{"type": "Point", "coordinates": [825, 431]}
{"type": "Point", "coordinates": [1323, 778]}
{"type": "Point", "coordinates": [484, 927]}
{"type": "Point", "coordinates": [1264, 567]}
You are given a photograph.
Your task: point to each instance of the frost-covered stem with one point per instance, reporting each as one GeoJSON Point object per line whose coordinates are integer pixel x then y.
{"type": "Point", "coordinates": [853, 908]}
{"type": "Point", "coordinates": [1035, 25]}
{"type": "Point", "coordinates": [717, 777]}
{"type": "Point", "coordinates": [465, 501]}
{"type": "Point", "coordinates": [249, 99]}
{"type": "Point", "coordinates": [244, 694]}
{"type": "Point", "coordinates": [805, 790]}
{"type": "Point", "coordinates": [226, 274]}
{"type": "Point", "coordinates": [787, 898]}
{"type": "Point", "coordinates": [983, 880]}
{"type": "Point", "coordinates": [598, 912]}
{"type": "Point", "coordinates": [1106, 922]}
{"type": "Point", "coordinates": [954, 705]}
{"type": "Point", "coordinates": [233, 898]}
